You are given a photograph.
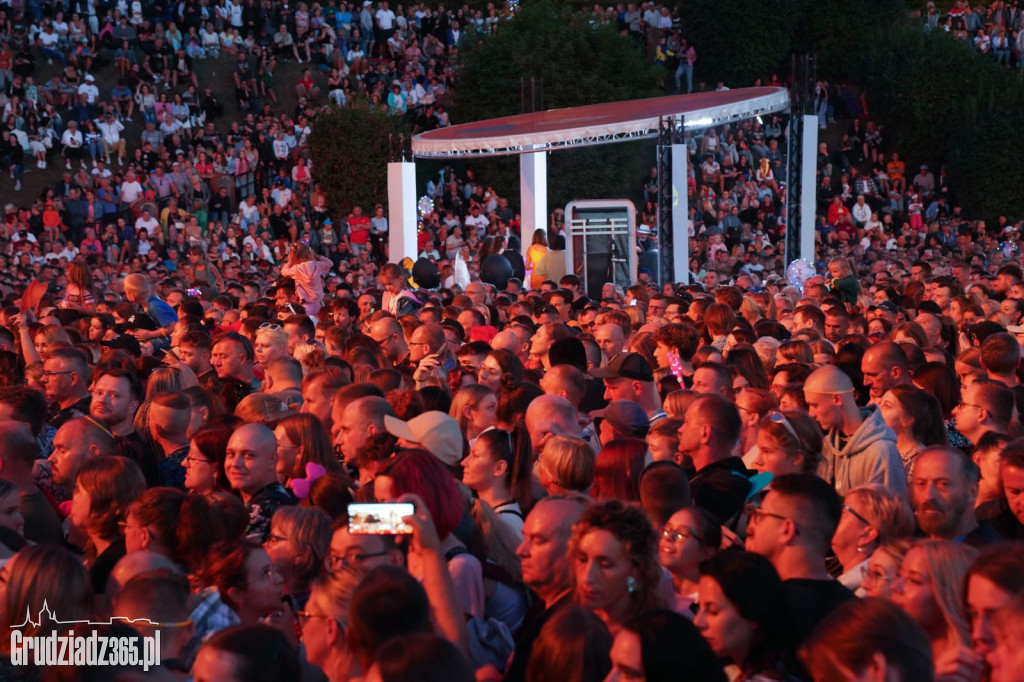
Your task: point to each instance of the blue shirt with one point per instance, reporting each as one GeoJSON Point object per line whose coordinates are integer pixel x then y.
{"type": "Point", "coordinates": [161, 312]}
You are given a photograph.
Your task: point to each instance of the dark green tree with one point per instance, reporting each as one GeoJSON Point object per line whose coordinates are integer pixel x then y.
{"type": "Point", "coordinates": [579, 63]}
{"type": "Point", "coordinates": [740, 41]}
{"type": "Point", "coordinates": [349, 149]}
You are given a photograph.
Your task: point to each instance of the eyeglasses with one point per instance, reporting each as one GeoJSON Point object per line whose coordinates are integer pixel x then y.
{"type": "Point", "coordinates": [48, 375]}
{"type": "Point", "coordinates": [269, 325]}
{"type": "Point", "coordinates": [857, 515]}
{"type": "Point", "coordinates": [977, 407]}
{"type": "Point", "coordinates": [674, 535]}
{"type": "Point", "coordinates": [779, 418]}
{"type": "Point", "coordinates": [333, 562]}
{"type": "Point", "coordinates": [873, 577]}
{"type": "Point", "coordinates": [305, 616]}
{"type": "Point", "coordinates": [198, 460]}
{"type": "Point", "coordinates": [756, 514]}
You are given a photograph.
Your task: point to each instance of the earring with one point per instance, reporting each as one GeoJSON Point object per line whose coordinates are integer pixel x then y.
{"type": "Point", "coordinates": [630, 584]}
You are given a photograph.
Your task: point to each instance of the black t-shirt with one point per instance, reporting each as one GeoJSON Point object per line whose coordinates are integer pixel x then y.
{"type": "Point", "coordinates": [812, 600]}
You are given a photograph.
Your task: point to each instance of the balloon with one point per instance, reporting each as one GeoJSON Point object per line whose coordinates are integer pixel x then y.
{"type": "Point", "coordinates": [496, 270]}
{"type": "Point", "coordinates": [798, 272]}
{"type": "Point", "coordinates": [426, 274]}
{"type": "Point", "coordinates": [425, 206]}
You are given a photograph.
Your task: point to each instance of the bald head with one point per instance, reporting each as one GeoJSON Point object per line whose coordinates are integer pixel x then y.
{"type": "Point", "coordinates": [506, 340]}
{"type": "Point", "coordinates": [136, 563]}
{"type": "Point", "coordinates": [251, 461]}
{"type": "Point", "coordinates": [828, 379]}
{"type": "Point", "coordinates": [884, 366]}
{"type": "Point", "coordinates": [550, 415]}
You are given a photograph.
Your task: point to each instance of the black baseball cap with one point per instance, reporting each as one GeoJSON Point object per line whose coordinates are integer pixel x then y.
{"type": "Point", "coordinates": [627, 366]}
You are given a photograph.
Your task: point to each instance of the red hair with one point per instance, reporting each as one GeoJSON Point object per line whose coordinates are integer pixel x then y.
{"type": "Point", "coordinates": [618, 470]}
{"type": "Point", "coordinates": [420, 473]}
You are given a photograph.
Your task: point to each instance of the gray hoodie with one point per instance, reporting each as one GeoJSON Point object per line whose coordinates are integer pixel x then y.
{"type": "Point", "coordinates": [869, 456]}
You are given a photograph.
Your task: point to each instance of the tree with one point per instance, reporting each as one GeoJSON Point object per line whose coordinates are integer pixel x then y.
{"type": "Point", "coordinates": [349, 149]}
{"type": "Point", "coordinates": [740, 41]}
{"type": "Point", "coordinates": [579, 63]}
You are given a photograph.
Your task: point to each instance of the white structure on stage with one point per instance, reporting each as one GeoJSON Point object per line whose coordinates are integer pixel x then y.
{"type": "Point", "coordinates": [531, 136]}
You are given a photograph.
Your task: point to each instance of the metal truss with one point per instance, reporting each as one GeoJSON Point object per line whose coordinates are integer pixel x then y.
{"type": "Point", "coordinates": [804, 70]}
{"type": "Point", "coordinates": [670, 132]}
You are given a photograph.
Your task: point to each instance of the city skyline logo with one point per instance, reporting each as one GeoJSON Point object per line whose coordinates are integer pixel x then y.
{"type": "Point", "coordinates": [52, 617]}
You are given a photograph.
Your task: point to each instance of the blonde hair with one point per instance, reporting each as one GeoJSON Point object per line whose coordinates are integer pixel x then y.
{"type": "Point", "coordinates": [261, 408]}
{"type": "Point", "coordinates": [273, 336]}
{"type": "Point", "coordinates": [467, 396]}
{"type": "Point", "coordinates": [571, 462]}
{"type": "Point", "coordinates": [948, 562]}
{"type": "Point", "coordinates": [333, 592]}
{"type": "Point", "coordinates": [138, 286]}
{"type": "Point", "coordinates": [678, 402]}
{"type": "Point", "coordinates": [888, 512]}
{"type": "Point", "coordinates": [168, 380]}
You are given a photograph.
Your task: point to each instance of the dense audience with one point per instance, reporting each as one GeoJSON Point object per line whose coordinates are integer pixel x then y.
{"type": "Point", "coordinates": [745, 478]}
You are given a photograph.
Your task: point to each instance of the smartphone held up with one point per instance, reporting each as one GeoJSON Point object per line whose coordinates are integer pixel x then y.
{"type": "Point", "coordinates": [379, 519]}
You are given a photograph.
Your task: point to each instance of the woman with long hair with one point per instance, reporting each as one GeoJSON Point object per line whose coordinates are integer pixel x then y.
{"type": "Point", "coordinates": [538, 248]}
{"type": "Point", "coordinates": [204, 464]}
{"type": "Point", "coordinates": [475, 408]}
{"type": "Point", "coordinates": [662, 646]}
{"type": "Point", "coordinates": [302, 440]}
{"type": "Point", "coordinates": [500, 368]}
{"type": "Point", "coordinates": [614, 555]}
{"type": "Point", "coordinates": [297, 545]}
{"type": "Point", "coordinates": [788, 443]}
{"type": "Point", "coordinates": [244, 577]}
{"type": "Point", "coordinates": [930, 588]}
{"type": "Point", "coordinates": [916, 418]}
{"type": "Point", "coordinates": [745, 616]}
{"type": "Point", "coordinates": [104, 489]}
{"type": "Point", "coordinates": [79, 294]}
{"type": "Point", "coordinates": [325, 620]}
{"type": "Point", "coordinates": [498, 470]}
{"type": "Point", "coordinates": [573, 646]}
{"type": "Point", "coordinates": [617, 474]}
{"type": "Point", "coordinates": [690, 537]}
{"type": "Point", "coordinates": [38, 575]}
{"type": "Point", "coordinates": [180, 526]}
{"type": "Point", "coordinates": [940, 380]}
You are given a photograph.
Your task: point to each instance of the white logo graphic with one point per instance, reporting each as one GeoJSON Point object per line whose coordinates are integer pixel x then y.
{"type": "Point", "coordinates": [91, 649]}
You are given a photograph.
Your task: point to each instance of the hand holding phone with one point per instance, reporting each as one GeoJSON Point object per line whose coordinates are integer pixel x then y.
{"type": "Point", "coordinates": [380, 519]}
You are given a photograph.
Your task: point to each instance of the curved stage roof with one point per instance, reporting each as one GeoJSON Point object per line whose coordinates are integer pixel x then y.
{"type": "Point", "coordinates": [595, 124]}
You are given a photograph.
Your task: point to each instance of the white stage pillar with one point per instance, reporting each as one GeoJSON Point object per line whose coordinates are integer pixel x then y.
{"type": "Point", "coordinates": [680, 217]}
{"type": "Point", "coordinates": [402, 217]}
{"type": "Point", "coordinates": [808, 188]}
{"type": "Point", "coordinates": [533, 196]}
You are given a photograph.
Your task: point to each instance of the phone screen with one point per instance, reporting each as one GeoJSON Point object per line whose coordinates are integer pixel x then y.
{"type": "Point", "coordinates": [379, 519]}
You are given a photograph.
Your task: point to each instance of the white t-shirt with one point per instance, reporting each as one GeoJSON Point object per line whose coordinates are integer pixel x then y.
{"type": "Point", "coordinates": [385, 19]}
{"type": "Point", "coordinates": [131, 191]}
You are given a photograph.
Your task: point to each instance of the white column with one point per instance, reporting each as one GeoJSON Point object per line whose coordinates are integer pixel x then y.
{"type": "Point", "coordinates": [402, 217]}
{"type": "Point", "coordinates": [680, 216]}
{"type": "Point", "coordinates": [533, 195]}
{"type": "Point", "coordinates": [808, 193]}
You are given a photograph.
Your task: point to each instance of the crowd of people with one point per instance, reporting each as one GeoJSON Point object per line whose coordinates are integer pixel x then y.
{"type": "Point", "coordinates": [747, 481]}
{"type": "Point", "coordinates": [203, 365]}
